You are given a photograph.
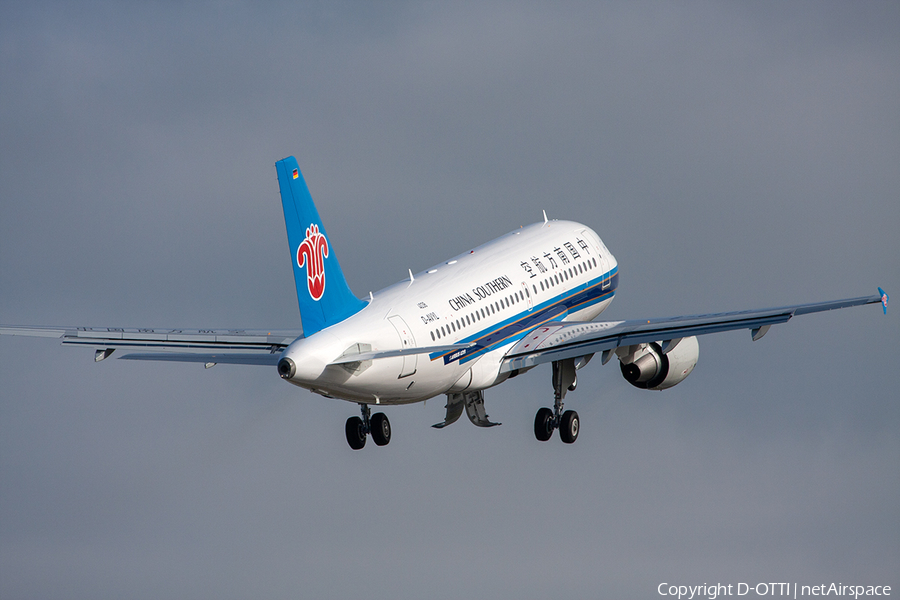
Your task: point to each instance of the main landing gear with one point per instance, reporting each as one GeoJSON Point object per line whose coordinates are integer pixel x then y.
{"type": "Point", "coordinates": [358, 428]}
{"type": "Point", "coordinates": [567, 422]}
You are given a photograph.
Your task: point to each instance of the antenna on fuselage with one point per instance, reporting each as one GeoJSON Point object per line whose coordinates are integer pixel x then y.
{"type": "Point", "coordinates": [545, 216]}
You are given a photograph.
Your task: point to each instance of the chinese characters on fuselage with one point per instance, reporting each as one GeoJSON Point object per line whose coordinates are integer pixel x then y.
{"type": "Point", "coordinates": [539, 265]}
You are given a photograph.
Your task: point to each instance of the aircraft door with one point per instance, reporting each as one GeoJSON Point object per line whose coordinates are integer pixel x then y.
{"type": "Point", "coordinates": [602, 262]}
{"type": "Point", "coordinates": [529, 299]}
{"type": "Point", "coordinates": [406, 341]}
{"type": "Point", "coordinates": [604, 269]}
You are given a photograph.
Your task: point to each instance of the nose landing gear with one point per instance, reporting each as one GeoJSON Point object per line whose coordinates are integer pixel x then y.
{"type": "Point", "coordinates": [358, 428]}
{"type": "Point", "coordinates": [567, 422]}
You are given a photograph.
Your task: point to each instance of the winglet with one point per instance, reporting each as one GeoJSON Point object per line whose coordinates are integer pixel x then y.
{"type": "Point", "coordinates": [884, 300]}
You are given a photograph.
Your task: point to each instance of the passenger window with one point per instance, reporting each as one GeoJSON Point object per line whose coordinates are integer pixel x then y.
{"type": "Point", "coordinates": [432, 336]}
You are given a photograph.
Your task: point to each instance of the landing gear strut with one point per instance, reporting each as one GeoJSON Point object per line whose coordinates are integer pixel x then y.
{"type": "Point", "coordinates": [358, 428]}
{"type": "Point", "coordinates": [567, 422]}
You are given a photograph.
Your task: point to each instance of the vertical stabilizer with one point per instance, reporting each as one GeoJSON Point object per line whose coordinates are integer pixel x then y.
{"type": "Point", "coordinates": [322, 292]}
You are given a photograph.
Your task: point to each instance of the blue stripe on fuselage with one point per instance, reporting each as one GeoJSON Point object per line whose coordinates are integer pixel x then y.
{"type": "Point", "coordinates": [517, 326]}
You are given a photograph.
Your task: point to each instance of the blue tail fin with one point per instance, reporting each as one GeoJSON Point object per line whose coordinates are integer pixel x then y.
{"type": "Point", "coordinates": [323, 293]}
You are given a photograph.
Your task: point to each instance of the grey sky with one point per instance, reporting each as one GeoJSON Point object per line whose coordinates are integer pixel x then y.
{"type": "Point", "coordinates": [730, 155]}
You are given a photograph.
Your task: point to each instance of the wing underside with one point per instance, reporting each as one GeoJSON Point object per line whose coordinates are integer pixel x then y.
{"type": "Point", "coordinates": [562, 340]}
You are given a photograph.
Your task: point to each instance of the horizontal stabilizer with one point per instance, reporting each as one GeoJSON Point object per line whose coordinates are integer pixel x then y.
{"type": "Point", "coordinates": [266, 360]}
{"type": "Point", "coordinates": [376, 354]}
{"type": "Point", "coordinates": [227, 346]}
{"type": "Point", "coordinates": [50, 332]}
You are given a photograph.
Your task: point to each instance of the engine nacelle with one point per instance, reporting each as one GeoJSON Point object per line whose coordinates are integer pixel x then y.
{"type": "Point", "coordinates": [650, 369]}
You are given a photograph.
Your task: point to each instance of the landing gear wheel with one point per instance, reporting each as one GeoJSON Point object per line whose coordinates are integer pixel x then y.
{"type": "Point", "coordinates": [356, 433]}
{"type": "Point", "coordinates": [568, 427]}
{"type": "Point", "coordinates": [381, 429]}
{"type": "Point", "coordinates": [543, 424]}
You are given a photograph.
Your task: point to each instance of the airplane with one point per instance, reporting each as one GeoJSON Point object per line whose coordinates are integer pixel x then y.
{"type": "Point", "coordinates": [457, 329]}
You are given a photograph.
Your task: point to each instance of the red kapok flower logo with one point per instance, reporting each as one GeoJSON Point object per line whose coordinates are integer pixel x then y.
{"type": "Point", "coordinates": [312, 252]}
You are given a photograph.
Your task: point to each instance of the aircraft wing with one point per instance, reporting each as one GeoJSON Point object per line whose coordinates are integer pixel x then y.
{"type": "Point", "coordinates": [560, 340]}
{"type": "Point", "coordinates": [230, 346]}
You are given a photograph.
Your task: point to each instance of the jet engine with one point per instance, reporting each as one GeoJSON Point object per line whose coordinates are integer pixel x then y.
{"type": "Point", "coordinates": [650, 368]}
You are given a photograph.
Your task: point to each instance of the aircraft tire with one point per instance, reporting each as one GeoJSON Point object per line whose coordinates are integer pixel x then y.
{"type": "Point", "coordinates": [381, 429]}
{"type": "Point", "coordinates": [356, 433]}
{"type": "Point", "coordinates": [543, 424]}
{"type": "Point", "coordinates": [569, 426]}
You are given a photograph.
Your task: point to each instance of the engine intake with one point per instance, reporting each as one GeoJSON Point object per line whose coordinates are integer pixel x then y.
{"type": "Point", "coordinates": [652, 369]}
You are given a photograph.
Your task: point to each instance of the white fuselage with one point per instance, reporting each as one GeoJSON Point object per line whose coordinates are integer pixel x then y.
{"type": "Point", "coordinates": [490, 296]}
